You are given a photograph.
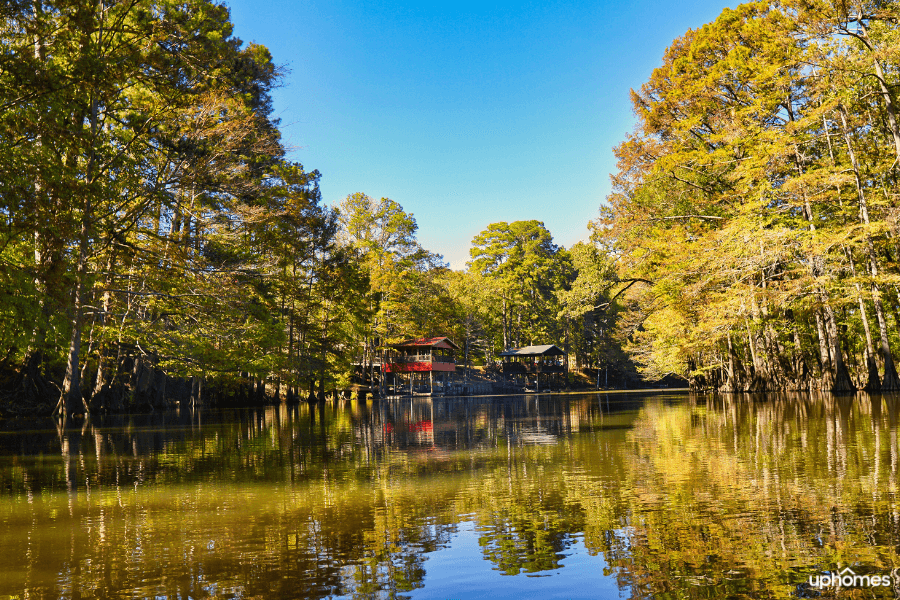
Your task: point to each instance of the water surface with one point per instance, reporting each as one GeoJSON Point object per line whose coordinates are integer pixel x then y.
{"type": "Point", "coordinates": [572, 496]}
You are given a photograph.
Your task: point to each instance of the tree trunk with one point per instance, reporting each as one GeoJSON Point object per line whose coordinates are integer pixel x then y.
{"type": "Point", "coordinates": [883, 89]}
{"type": "Point", "coordinates": [505, 319]}
{"type": "Point", "coordinates": [758, 378]}
{"type": "Point", "coordinates": [835, 377]}
{"type": "Point", "coordinates": [873, 384]}
{"type": "Point", "coordinates": [825, 361]}
{"type": "Point", "coordinates": [196, 390]}
{"type": "Point", "coordinates": [841, 382]}
{"type": "Point", "coordinates": [736, 381]}
{"type": "Point", "coordinates": [71, 397]}
{"type": "Point", "coordinates": [891, 382]}
{"type": "Point", "coordinates": [324, 358]}
{"type": "Point", "coordinates": [799, 367]}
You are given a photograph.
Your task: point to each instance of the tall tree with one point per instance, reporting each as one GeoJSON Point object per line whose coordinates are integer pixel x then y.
{"type": "Point", "coordinates": [523, 267]}
{"type": "Point", "coordinates": [730, 198]}
{"type": "Point", "coordinates": [384, 237]}
{"type": "Point", "coordinates": [148, 218]}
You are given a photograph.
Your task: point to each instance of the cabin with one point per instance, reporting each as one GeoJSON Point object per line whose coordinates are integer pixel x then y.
{"type": "Point", "coordinates": [420, 363]}
{"type": "Point", "coordinates": [522, 364]}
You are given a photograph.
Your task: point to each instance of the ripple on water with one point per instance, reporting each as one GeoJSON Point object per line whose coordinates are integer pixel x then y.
{"type": "Point", "coordinates": [526, 498]}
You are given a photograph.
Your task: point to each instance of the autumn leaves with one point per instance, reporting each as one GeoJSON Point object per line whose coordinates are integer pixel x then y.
{"type": "Point", "coordinates": [758, 192]}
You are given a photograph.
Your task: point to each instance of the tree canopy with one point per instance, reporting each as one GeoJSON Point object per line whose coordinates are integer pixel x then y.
{"type": "Point", "coordinates": [153, 232]}
{"type": "Point", "coordinates": [756, 195]}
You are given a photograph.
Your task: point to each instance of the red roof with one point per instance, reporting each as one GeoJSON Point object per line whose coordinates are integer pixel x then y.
{"type": "Point", "coordinates": [431, 342]}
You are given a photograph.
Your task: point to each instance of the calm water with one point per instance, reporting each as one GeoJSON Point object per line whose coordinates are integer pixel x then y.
{"type": "Point", "coordinates": [579, 496]}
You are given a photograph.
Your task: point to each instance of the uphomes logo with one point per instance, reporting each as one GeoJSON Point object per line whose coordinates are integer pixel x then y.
{"type": "Point", "coordinates": [847, 578]}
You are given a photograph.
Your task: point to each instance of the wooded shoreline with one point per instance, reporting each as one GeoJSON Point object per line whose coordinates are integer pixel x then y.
{"type": "Point", "coordinates": [156, 242]}
{"type": "Point", "coordinates": [758, 197]}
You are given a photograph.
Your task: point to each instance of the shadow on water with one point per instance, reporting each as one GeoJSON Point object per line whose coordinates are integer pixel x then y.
{"type": "Point", "coordinates": [642, 495]}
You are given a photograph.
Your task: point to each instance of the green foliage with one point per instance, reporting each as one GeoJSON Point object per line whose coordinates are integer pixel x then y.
{"type": "Point", "coordinates": [763, 166]}
{"type": "Point", "coordinates": [404, 299]}
{"type": "Point", "coordinates": [589, 304]}
{"type": "Point", "coordinates": [147, 212]}
{"type": "Point", "coordinates": [522, 268]}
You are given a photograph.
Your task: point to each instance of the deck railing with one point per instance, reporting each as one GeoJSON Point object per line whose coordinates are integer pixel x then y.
{"type": "Point", "coordinates": [517, 367]}
{"type": "Point", "coordinates": [413, 358]}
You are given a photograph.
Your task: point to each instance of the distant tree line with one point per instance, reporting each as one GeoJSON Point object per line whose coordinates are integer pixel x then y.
{"type": "Point", "coordinates": [518, 289]}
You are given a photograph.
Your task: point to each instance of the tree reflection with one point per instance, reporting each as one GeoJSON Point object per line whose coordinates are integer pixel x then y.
{"type": "Point", "coordinates": [704, 498]}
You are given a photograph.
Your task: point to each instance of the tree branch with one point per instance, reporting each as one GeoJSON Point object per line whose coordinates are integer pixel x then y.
{"type": "Point", "coordinates": [631, 282]}
{"type": "Point", "coordinates": [686, 217]}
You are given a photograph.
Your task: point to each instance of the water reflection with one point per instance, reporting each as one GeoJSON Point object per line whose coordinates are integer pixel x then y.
{"type": "Point", "coordinates": [640, 496]}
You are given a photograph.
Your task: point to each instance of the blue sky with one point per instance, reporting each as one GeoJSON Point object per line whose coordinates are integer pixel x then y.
{"type": "Point", "coordinates": [464, 113]}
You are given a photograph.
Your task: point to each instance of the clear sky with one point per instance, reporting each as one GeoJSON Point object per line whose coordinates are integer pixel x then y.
{"type": "Point", "coordinates": [464, 113]}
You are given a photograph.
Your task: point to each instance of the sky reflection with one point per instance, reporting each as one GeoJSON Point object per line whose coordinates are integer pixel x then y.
{"type": "Point", "coordinates": [635, 496]}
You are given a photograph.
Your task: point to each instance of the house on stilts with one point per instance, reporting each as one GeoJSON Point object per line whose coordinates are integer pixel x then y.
{"type": "Point", "coordinates": [521, 365]}
{"type": "Point", "coordinates": [415, 366]}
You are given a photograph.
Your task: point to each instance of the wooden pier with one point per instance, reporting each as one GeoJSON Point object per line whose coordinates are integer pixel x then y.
{"type": "Point", "coordinates": [534, 362]}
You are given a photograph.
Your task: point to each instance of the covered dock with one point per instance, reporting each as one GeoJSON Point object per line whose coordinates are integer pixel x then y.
{"type": "Point", "coordinates": [547, 360]}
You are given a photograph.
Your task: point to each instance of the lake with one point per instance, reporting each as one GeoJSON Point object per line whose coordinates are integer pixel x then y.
{"type": "Point", "coordinates": [628, 495]}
